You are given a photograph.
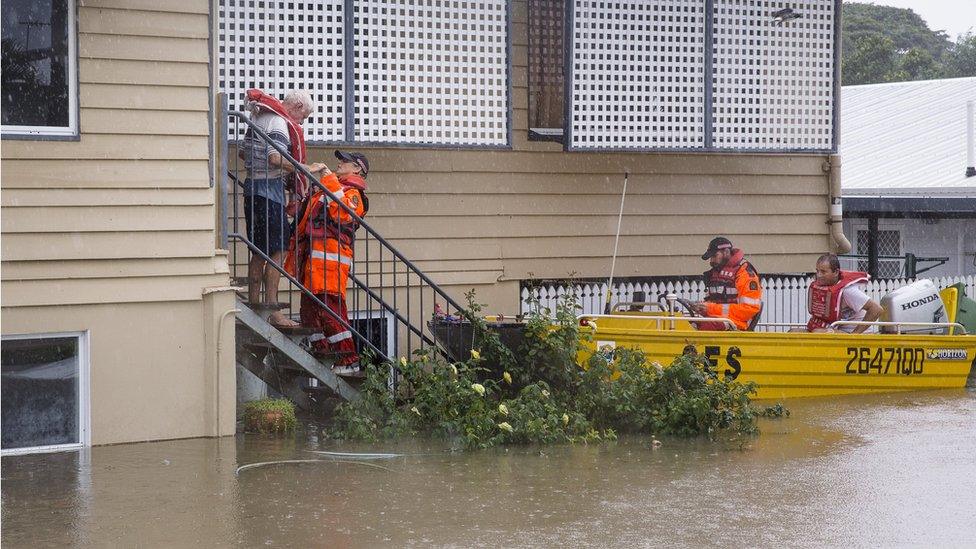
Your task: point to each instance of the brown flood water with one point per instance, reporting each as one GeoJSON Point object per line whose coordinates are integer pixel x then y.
{"type": "Point", "coordinates": [884, 470]}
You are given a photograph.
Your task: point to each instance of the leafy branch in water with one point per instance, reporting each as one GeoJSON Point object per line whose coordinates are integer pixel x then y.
{"type": "Point", "coordinates": [540, 395]}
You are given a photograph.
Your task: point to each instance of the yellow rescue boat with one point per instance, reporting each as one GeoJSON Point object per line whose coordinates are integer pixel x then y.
{"type": "Point", "coordinates": [789, 365]}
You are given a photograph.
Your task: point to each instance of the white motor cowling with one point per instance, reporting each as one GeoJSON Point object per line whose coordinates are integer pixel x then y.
{"type": "Point", "coordinates": [917, 302]}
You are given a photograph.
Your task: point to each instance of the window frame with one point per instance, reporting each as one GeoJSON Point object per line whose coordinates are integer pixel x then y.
{"type": "Point", "coordinates": [556, 135]}
{"type": "Point", "coordinates": [861, 225]}
{"type": "Point", "coordinates": [84, 395]}
{"type": "Point", "coordinates": [71, 132]}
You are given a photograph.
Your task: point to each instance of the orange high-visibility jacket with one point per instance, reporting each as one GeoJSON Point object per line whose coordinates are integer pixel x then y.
{"type": "Point", "coordinates": [734, 291]}
{"type": "Point", "coordinates": [321, 250]}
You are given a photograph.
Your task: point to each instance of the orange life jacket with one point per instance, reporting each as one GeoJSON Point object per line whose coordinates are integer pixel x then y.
{"type": "Point", "coordinates": [321, 250]}
{"type": "Point", "coordinates": [824, 302]}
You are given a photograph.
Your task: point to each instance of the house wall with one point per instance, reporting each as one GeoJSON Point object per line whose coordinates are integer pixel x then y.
{"type": "Point", "coordinates": [490, 218]}
{"type": "Point", "coordinates": [114, 232]}
{"type": "Point", "coordinates": [952, 238]}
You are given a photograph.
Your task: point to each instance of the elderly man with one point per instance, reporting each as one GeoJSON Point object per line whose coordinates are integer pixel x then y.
{"type": "Point", "coordinates": [839, 295]}
{"type": "Point", "coordinates": [733, 288]}
{"type": "Point", "coordinates": [268, 175]}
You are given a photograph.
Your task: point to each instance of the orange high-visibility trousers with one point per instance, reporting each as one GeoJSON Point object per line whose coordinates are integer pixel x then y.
{"type": "Point", "coordinates": [334, 338]}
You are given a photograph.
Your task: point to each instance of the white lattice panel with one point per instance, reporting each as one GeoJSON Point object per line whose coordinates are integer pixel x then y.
{"type": "Point", "coordinates": [638, 74]}
{"type": "Point", "coordinates": [277, 46]}
{"type": "Point", "coordinates": [773, 86]}
{"type": "Point", "coordinates": [431, 72]}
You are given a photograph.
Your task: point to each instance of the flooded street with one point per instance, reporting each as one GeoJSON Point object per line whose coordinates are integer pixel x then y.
{"type": "Point", "coordinates": [863, 471]}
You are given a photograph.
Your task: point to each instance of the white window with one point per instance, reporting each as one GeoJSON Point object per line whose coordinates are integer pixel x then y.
{"type": "Point", "coordinates": [40, 82]}
{"type": "Point", "coordinates": [378, 326]}
{"type": "Point", "coordinates": [44, 394]}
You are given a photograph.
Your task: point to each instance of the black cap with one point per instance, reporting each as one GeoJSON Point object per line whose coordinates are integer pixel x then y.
{"type": "Point", "coordinates": [356, 158]}
{"type": "Point", "coordinates": [717, 243]}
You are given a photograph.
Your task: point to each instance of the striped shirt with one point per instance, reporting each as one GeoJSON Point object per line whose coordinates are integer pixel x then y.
{"type": "Point", "coordinates": [263, 179]}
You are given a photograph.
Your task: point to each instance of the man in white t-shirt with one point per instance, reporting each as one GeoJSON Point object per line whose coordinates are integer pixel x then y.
{"type": "Point", "coordinates": [265, 212]}
{"type": "Point", "coordinates": [839, 295]}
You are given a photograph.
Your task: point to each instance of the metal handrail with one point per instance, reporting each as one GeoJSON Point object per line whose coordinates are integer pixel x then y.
{"type": "Point", "coordinates": [396, 257]}
{"type": "Point", "coordinates": [731, 325]}
{"type": "Point", "coordinates": [898, 325]}
{"type": "Point", "coordinates": [309, 293]}
{"type": "Point", "coordinates": [352, 213]}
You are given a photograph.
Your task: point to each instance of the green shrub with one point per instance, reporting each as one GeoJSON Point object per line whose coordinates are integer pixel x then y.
{"type": "Point", "coordinates": [270, 416]}
{"type": "Point", "coordinates": [543, 396]}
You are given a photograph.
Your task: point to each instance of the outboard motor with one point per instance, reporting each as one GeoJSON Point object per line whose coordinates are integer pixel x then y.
{"type": "Point", "coordinates": [917, 302]}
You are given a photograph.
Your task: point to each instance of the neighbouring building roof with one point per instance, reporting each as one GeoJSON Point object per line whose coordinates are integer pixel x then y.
{"type": "Point", "coordinates": [906, 139]}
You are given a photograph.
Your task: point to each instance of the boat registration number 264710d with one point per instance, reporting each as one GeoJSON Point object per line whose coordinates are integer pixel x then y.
{"type": "Point", "coordinates": [885, 360]}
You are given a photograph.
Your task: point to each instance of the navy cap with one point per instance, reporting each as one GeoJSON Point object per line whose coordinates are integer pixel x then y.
{"type": "Point", "coordinates": [356, 158]}
{"type": "Point", "coordinates": [717, 243]}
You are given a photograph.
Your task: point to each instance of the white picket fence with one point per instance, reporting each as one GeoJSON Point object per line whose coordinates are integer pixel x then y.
{"type": "Point", "coordinates": [784, 298]}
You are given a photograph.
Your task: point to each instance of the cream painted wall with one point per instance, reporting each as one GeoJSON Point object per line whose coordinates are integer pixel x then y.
{"type": "Point", "coordinates": [152, 374]}
{"type": "Point", "coordinates": [113, 233]}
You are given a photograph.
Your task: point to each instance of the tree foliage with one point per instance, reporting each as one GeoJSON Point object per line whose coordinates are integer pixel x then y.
{"type": "Point", "coordinates": [887, 44]}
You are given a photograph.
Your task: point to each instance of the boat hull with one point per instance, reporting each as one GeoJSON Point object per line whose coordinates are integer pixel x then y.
{"type": "Point", "coordinates": [791, 365]}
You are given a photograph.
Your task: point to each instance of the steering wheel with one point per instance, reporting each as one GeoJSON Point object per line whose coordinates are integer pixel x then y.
{"type": "Point", "coordinates": [689, 308]}
{"type": "Point", "coordinates": [687, 305]}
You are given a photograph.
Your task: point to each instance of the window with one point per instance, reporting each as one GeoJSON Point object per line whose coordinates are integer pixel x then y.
{"type": "Point", "coordinates": [889, 244]}
{"type": "Point", "coordinates": [378, 327]}
{"type": "Point", "coordinates": [39, 68]}
{"type": "Point", "coordinates": [44, 393]}
{"type": "Point", "coordinates": [546, 69]}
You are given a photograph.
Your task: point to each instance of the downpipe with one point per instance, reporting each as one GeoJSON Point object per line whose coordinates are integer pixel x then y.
{"type": "Point", "coordinates": [835, 216]}
{"type": "Point", "coordinates": [220, 331]}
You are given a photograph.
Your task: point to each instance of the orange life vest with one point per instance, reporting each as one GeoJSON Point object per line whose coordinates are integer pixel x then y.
{"type": "Point", "coordinates": [321, 250]}
{"type": "Point", "coordinates": [824, 302]}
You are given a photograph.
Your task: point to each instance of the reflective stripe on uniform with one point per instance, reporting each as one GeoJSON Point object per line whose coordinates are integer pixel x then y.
{"type": "Point", "coordinates": [340, 336]}
{"type": "Point", "coordinates": [318, 254]}
{"type": "Point", "coordinates": [750, 301]}
{"type": "Point", "coordinates": [340, 194]}
{"type": "Point", "coordinates": [723, 290]}
{"type": "Point", "coordinates": [725, 309]}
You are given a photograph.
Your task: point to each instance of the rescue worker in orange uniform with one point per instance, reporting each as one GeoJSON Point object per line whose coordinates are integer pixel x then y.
{"type": "Point", "coordinates": [321, 255]}
{"type": "Point", "coordinates": [733, 288]}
